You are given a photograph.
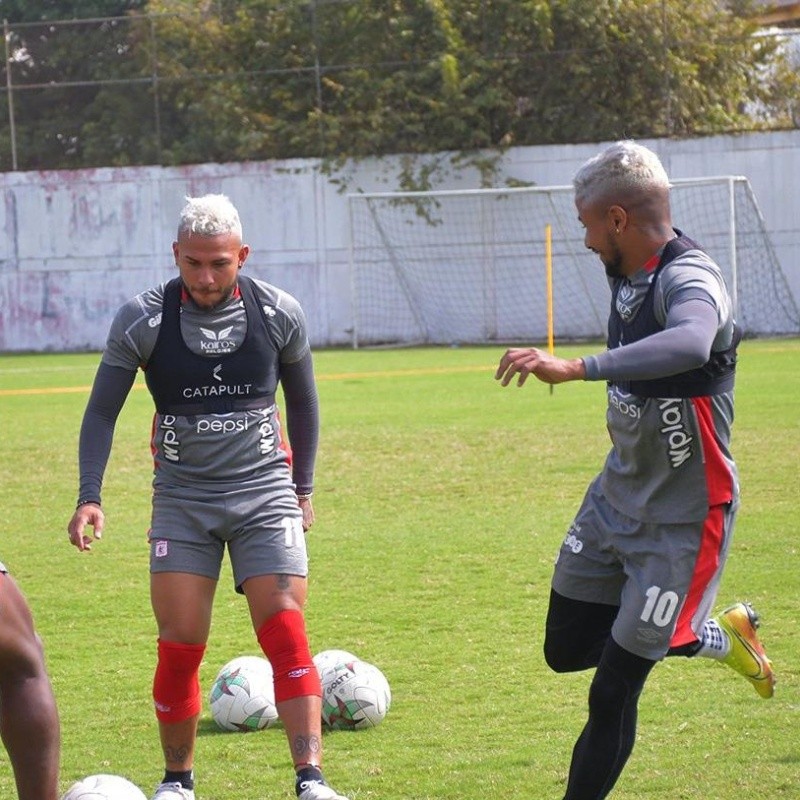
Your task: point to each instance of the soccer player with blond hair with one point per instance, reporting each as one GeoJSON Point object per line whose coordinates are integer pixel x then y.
{"type": "Point", "coordinates": [638, 571]}
{"type": "Point", "coordinates": [214, 346]}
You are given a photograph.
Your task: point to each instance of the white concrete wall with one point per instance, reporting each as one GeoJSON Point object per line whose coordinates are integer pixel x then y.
{"type": "Point", "coordinates": [77, 244]}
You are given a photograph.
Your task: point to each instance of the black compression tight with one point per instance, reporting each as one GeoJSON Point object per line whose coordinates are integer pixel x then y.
{"type": "Point", "coordinates": [607, 739]}
{"type": "Point", "coordinates": [576, 633]}
{"type": "Point", "coordinates": [578, 637]}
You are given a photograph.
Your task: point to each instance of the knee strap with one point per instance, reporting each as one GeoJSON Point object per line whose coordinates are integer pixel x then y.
{"type": "Point", "coordinates": [283, 639]}
{"type": "Point", "coordinates": [176, 685]}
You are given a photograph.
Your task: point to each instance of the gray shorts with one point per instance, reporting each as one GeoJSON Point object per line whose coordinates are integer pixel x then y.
{"type": "Point", "coordinates": [262, 529]}
{"type": "Point", "coordinates": [663, 577]}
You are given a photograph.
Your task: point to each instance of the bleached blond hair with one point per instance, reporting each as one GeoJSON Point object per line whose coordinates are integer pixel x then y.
{"type": "Point", "coordinates": [209, 215]}
{"type": "Point", "coordinates": [624, 169]}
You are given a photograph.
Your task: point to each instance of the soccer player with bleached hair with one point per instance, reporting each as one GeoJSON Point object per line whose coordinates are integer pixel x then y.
{"type": "Point", "coordinates": [214, 346]}
{"type": "Point", "coordinates": [638, 572]}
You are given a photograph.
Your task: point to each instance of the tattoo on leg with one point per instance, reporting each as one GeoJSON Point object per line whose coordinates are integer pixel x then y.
{"type": "Point", "coordinates": [283, 582]}
{"type": "Point", "coordinates": [177, 755]}
{"type": "Point", "coordinates": [306, 747]}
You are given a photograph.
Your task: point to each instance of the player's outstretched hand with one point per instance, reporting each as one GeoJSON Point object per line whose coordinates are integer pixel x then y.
{"type": "Point", "coordinates": [524, 361]}
{"type": "Point", "coordinates": [86, 515]}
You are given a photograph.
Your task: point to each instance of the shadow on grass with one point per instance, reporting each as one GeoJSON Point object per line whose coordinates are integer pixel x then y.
{"type": "Point", "coordinates": [207, 727]}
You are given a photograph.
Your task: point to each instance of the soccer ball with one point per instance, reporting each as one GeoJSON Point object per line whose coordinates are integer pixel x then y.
{"type": "Point", "coordinates": [242, 697]}
{"type": "Point", "coordinates": [330, 658]}
{"type": "Point", "coordinates": [354, 695]}
{"type": "Point", "coordinates": [104, 787]}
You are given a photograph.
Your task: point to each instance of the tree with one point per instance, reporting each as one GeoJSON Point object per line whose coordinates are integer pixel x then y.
{"type": "Point", "coordinates": [60, 67]}
{"type": "Point", "coordinates": [218, 80]}
{"type": "Point", "coordinates": [362, 78]}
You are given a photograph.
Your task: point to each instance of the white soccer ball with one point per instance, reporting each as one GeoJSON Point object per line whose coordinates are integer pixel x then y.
{"type": "Point", "coordinates": [104, 787]}
{"type": "Point", "coordinates": [355, 695]}
{"type": "Point", "coordinates": [242, 697]}
{"type": "Point", "coordinates": [330, 658]}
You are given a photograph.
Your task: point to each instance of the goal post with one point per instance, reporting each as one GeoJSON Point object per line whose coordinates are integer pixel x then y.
{"type": "Point", "coordinates": [471, 266]}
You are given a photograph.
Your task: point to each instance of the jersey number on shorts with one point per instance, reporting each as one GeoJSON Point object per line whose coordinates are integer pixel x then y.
{"type": "Point", "coordinates": [660, 606]}
{"type": "Point", "coordinates": [292, 531]}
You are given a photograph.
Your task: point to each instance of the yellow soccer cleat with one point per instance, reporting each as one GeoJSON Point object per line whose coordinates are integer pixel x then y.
{"type": "Point", "coordinates": [747, 655]}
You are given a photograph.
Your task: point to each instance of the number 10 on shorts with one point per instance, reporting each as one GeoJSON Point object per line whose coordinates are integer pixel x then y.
{"type": "Point", "coordinates": [660, 606]}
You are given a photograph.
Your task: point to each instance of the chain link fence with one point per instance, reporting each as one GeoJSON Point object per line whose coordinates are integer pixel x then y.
{"type": "Point", "coordinates": [113, 92]}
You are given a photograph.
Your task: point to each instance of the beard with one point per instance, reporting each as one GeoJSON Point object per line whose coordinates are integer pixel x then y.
{"type": "Point", "coordinates": [613, 262]}
{"type": "Point", "coordinates": [209, 299]}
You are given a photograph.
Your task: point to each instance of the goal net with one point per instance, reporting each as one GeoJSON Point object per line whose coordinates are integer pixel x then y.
{"type": "Point", "coordinates": [471, 266]}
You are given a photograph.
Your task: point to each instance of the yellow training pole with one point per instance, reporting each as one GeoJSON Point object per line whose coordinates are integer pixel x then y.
{"type": "Point", "coordinates": [548, 262]}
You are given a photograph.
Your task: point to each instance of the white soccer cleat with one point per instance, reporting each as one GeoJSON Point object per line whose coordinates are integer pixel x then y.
{"type": "Point", "coordinates": [173, 791]}
{"type": "Point", "coordinates": [317, 790]}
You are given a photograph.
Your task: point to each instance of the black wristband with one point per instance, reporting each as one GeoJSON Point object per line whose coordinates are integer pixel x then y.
{"type": "Point", "coordinates": [85, 500]}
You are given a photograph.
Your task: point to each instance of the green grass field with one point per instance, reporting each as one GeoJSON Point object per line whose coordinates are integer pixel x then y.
{"type": "Point", "coordinates": [441, 500]}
